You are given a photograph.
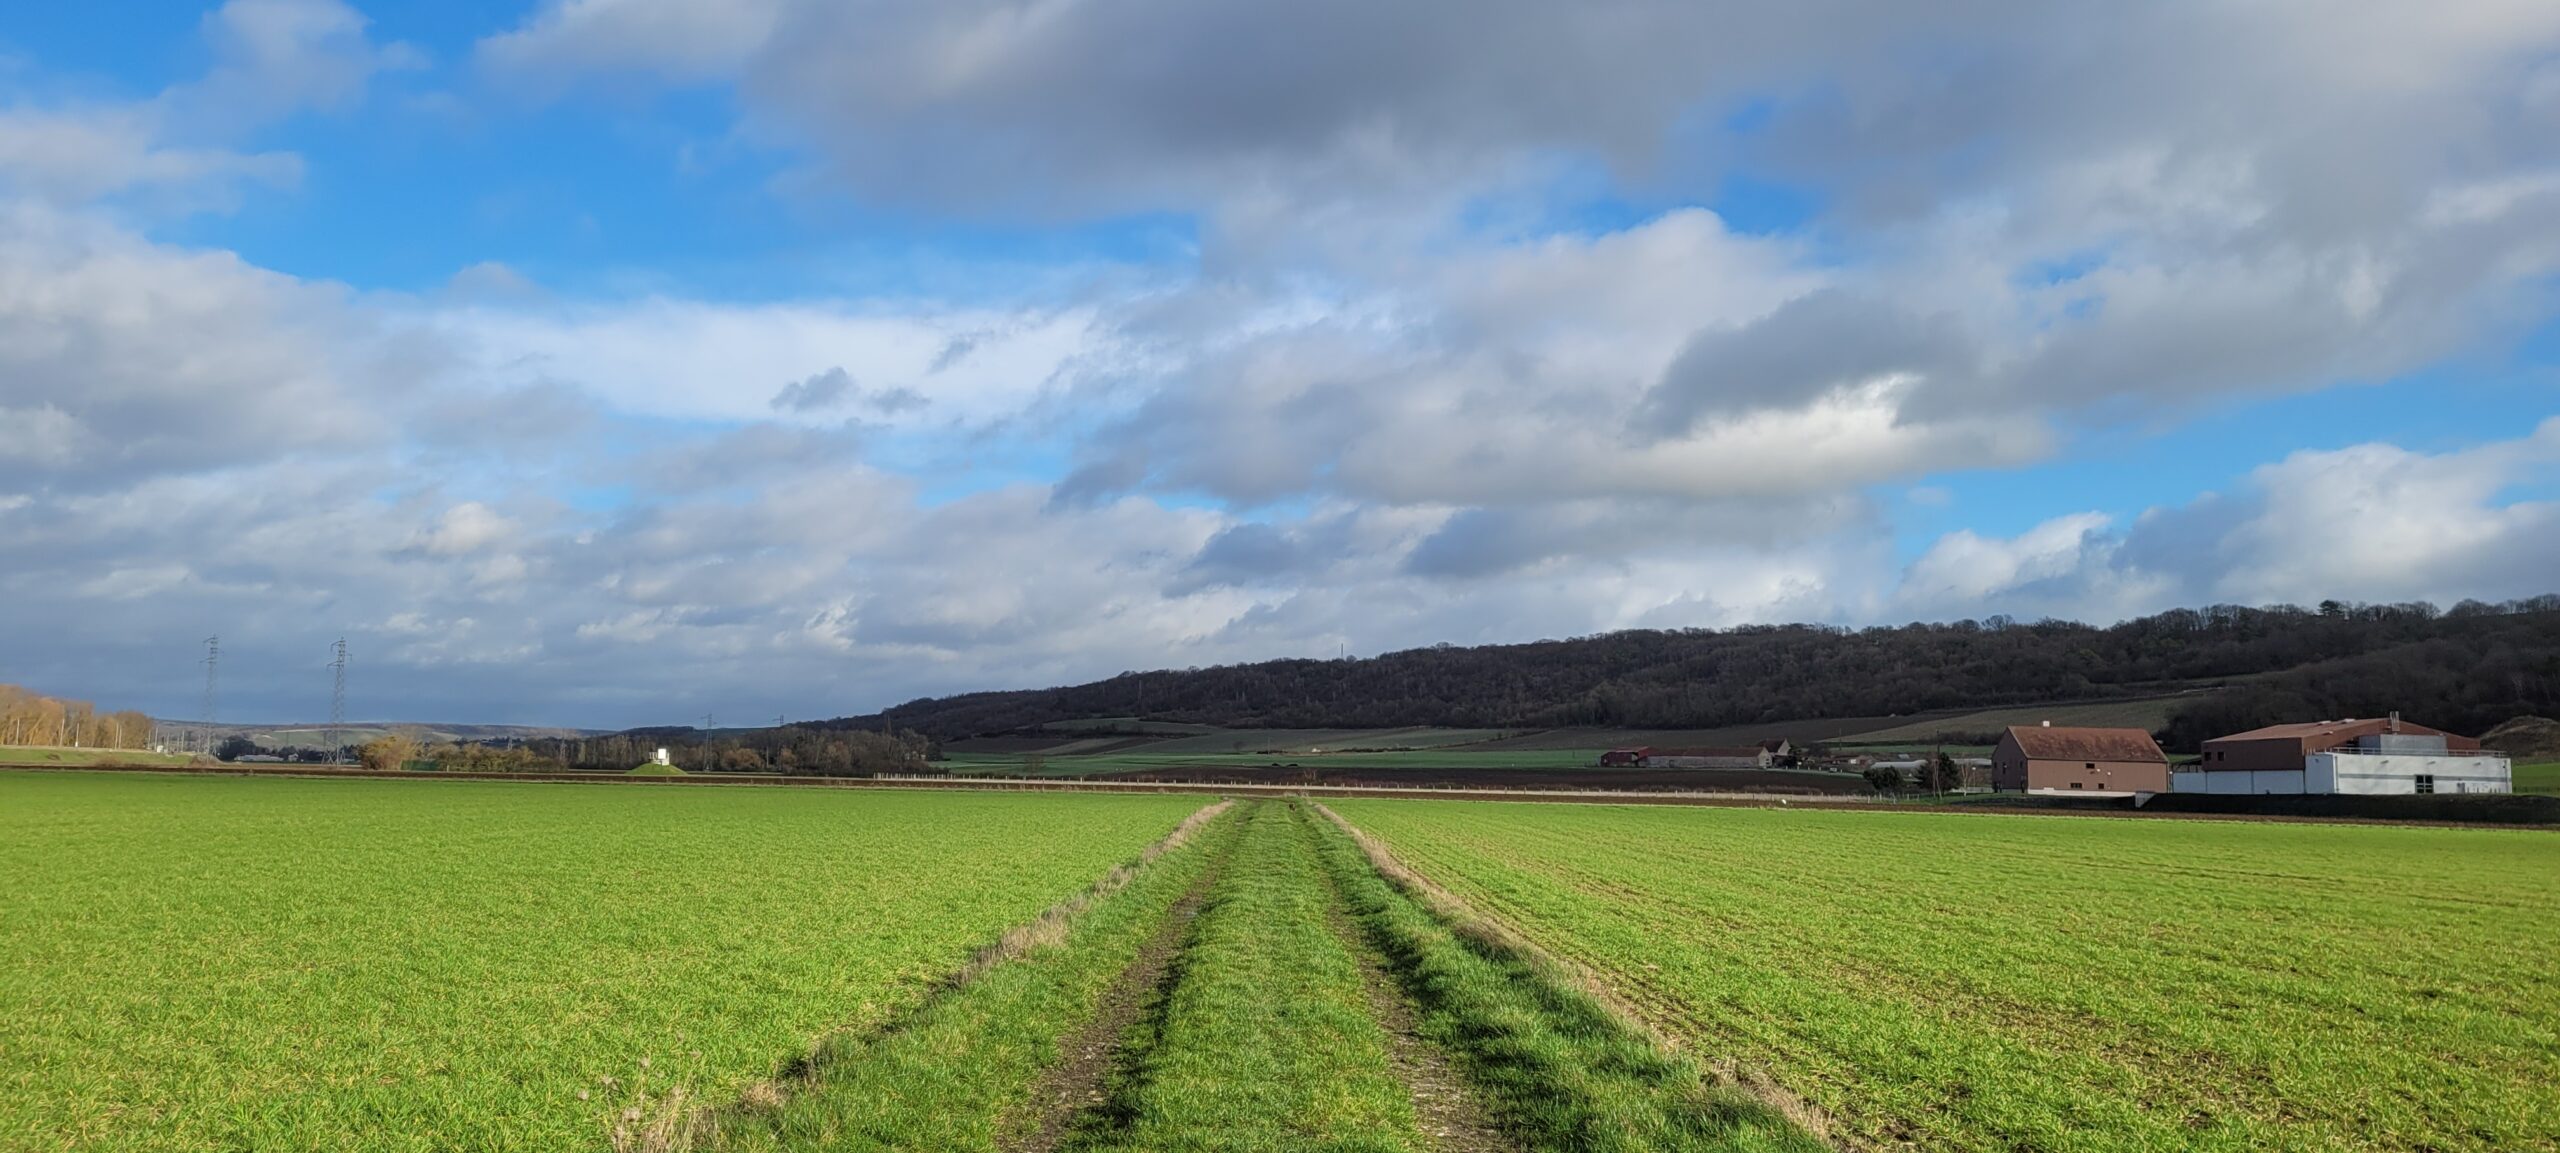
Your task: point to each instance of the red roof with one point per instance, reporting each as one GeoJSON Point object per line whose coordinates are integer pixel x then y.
{"type": "Point", "coordinates": [2348, 728]}
{"type": "Point", "coordinates": [2041, 743]}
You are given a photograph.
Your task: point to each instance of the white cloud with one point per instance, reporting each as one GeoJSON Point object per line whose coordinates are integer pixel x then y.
{"type": "Point", "coordinates": [2379, 522]}
{"type": "Point", "coordinates": [694, 360]}
{"type": "Point", "coordinates": [465, 528]}
{"type": "Point", "coordinates": [2369, 522]}
{"type": "Point", "coordinates": [277, 57]}
{"type": "Point", "coordinates": [176, 150]}
{"type": "Point", "coordinates": [140, 358]}
{"type": "Point", "coordinates": [73, 156]}
{"type": "Point", "coordinates": [1427, 377]}
{"type": "Point", "coordinates": [672, 38]}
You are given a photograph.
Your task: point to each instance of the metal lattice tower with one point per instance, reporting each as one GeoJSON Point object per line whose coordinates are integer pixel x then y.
{"type": "Point", "coordinates": [212, 683]}
{"type": "Point", "coordinates": [337, 698]}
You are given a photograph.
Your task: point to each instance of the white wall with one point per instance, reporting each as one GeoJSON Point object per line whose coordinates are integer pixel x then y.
{"type": "Point", "coordinates": [2396, 774]}
{"type": "Point", "coordinates": [2235, 782]}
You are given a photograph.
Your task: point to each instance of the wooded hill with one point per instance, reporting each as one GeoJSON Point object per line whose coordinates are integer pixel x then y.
{"type": "Point", "coordinates": [2467, 669]}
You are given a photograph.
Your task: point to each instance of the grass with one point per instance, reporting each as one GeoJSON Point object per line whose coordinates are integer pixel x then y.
{"type": "Point", "coordinates": [1561, 1070]}
{"type": "Point", "coordinates": [654, 769]}
{"type": "Point", "coordinates": [1266, 1040]}
{"type": "Point", "coordinates": [1264, 1036]}
{"type": "Point", "coordinates": [1997, 982]}
{"type": "Point", "coordinates": [219, 963]}
{"type": "Point", "coordinates": [901, 1086]}
{"type": "Point", "coordinates": [2539, 778]}
{"type": "Point", "coordinates": [27, 756]}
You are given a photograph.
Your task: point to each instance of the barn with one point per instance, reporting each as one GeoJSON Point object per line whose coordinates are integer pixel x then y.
{"type": "Point", "coordinates": [2043, 758]}
{"type": "Point", "coordinates": [1742, 757]}
{"type": "Point", "coordinates": [2374, 757]}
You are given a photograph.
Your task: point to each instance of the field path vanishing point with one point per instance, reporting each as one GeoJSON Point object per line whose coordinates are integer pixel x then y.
{"type": "Point", "coordinates": [1263, 1035]}
{"type": "Point", "coordinates": [1312, 1005]}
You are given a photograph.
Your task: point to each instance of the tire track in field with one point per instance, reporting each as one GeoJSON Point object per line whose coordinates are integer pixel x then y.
{"type": "Point", "coordinates": [1451, 1115]}
{"type": "Point", "coordinates": [1636, 1002]}
{"type": "Point", "coordinates": [1072, 1092]}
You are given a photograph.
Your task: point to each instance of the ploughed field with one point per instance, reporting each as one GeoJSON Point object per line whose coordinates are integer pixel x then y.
{"type": "Point", "coordinates": [214, 963]}
{"type": "Point", "coordinates": [1996, 982]}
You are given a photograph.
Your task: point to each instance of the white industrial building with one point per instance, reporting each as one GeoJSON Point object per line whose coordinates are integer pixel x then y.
{"type": "Point", "coordinates": [2376, 765]}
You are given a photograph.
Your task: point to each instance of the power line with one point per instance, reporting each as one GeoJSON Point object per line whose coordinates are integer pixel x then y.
{"type": "Point", "coordinates": [337, 698]}
{"type": "Point", "coordinates": [212, 682]}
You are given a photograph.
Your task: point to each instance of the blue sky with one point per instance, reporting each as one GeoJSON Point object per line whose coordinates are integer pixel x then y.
{"type": "Point", "coordinates": [607, 361]}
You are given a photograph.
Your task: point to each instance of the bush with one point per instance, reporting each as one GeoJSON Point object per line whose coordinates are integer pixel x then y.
{"type": "Point", "coordinates": [388, 753]}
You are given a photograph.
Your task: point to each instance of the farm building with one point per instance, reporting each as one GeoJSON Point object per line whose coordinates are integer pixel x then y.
{"type": "Point", "coordinates": [2374, 757]}
{"type": "Point", "coordinates": [1743, 757]}
{"type": "Point", "coordinates": [2284, 748]}
{"type": "Point", "coordinates": [1624, 758]}
{"type": "Point", "coordinates": [2043, 758]}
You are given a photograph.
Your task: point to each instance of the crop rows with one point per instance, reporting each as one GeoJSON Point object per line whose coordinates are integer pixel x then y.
{"type": "Point", "coordinates": [208, 963]}
{"type": "Point", "coordinates": [204, 963]}
{"type": "Point", "coordinates": [1309, 1005]}
{"type": "Point", "coordinates": [1996, 982]}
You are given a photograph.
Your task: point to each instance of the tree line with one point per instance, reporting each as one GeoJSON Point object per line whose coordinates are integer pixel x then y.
{"type": "Point", "coordinates": [28, 717]}
{"type": "Point", "coordinates": [790, 751]}
{"type": "Point", "coordinates": [2464, 668]}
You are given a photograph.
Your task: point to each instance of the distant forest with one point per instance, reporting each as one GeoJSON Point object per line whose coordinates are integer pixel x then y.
{"type": "Point", "coordinates": [2466, 668]}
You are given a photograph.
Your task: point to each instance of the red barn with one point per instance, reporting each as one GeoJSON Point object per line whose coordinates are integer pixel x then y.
{"type": "Point", "coordinates": [2041, 757]}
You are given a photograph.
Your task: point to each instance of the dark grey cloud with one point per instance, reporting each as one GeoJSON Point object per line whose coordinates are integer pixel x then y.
{"type": "Point", "coordinates": [835, 389]}
{"type": "Point", "coordinates": [1264, 554]}
{"type": "Point", "coordinates": [1480, 543]}
{"type": "Point", "coordinates": [821, 391]}
{"type": "Point", "coordinates": [1811, 345]}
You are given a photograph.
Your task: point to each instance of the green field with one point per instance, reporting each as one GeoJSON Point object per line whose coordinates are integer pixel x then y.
{"type": "Point", "coordinates": [1272, 1000]}
{"type": "Point", "coordinates": [20, 755]}
{"type": "Point", "coordinates": [222, 963]}
{"type": "Point", "coordinates": [2541, 778]}
{"type": "Point", "coordinates": [268, 963]}
{"type": "Point", "coordinates": [1307, 1005]}
{"type": "Point", "coordinates": [1987, 982]}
